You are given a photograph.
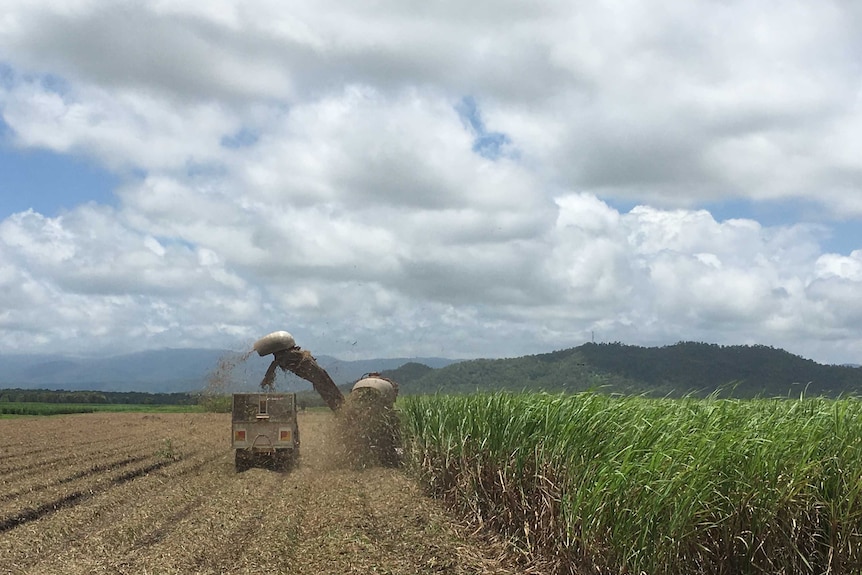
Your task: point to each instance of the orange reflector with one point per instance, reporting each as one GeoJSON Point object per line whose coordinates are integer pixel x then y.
{"type": "Point", "coordinates": [284, 435]}
{"type": "Point", "coordinates": [239, 435]}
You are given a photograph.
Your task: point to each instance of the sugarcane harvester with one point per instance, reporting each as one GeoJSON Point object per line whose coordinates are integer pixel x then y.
{"type": "Point", "coordinates": [289, 357]}
{"type": "Point", "coordinates": [369, 422]}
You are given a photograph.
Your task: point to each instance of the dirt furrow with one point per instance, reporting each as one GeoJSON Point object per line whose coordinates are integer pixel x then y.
{"type": "Point", "coordinates": [37, 483]}
{"type": "Point", "coordinates": [89, 537]}
{"type": "Point", "coordinates": [72, 490]}
{"type": "Point", "coordinates": [185, 510]}
{"type": "Point", "coordinates": [42, 463]}
{"type": "Point", "coordinates": [70, 497]}
{"type": "Point", "coordinates": [126, 538]}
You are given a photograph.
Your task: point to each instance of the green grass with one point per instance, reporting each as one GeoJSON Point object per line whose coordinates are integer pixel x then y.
{"type": "Point", "coordinates": [18, 409]}
{"type": "Point", "coordinates": [613, 484]}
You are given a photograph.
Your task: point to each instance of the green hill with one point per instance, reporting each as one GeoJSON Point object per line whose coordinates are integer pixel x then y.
{"type": "Point", "coordinates": [686, 368]}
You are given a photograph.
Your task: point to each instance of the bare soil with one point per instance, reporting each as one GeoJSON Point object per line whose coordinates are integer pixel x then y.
{"type": "Point", "coordinates": [158, 494]}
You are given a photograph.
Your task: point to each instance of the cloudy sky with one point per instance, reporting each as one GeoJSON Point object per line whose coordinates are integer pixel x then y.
{"type": "Point", "coordinates": [399, 178]}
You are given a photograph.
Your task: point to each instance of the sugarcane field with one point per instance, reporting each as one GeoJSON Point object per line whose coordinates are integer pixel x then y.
{"type": "Point", "coordinates": [472, 483]}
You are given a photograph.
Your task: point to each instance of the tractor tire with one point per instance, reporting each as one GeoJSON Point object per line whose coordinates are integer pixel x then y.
{"type": "Point", "coordinates": [242, 461]}
{"type": "Point", "coordinates": [284, 460]}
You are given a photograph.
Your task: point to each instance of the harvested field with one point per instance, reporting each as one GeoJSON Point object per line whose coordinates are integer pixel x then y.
{"type": "Point", "coordinates": [157, 493]}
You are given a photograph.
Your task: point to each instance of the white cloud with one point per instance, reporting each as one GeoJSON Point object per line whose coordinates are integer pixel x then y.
{"type": "Point", "coordinates": [311, 167]}
{"type": "Point", "coordinates": [844, 267]}
{"type": "Point", "coordinates": [124, 130]}
{"type": "Point", "coordinates": [651, 273]}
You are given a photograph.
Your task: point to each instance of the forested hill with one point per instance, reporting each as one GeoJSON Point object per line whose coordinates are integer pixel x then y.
{"type": "Point", "coordinates": [680, 369]}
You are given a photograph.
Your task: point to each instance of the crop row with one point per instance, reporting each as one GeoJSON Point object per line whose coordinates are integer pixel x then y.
{"type": "Point", "coordinates": [43, 459]}
{"type": "Point", "coordinates": [125, 481]}
{"type": "Point", "coordinates": [609, 484]}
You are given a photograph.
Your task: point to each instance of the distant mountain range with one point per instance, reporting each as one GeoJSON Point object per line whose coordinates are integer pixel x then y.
{"type": "Point", "coordinates": [680, 369]}
{"type": "Point", "coordinates": [173, 370]}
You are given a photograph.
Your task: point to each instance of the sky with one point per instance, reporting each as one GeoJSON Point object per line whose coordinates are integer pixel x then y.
{"type": "Point", "coordinates": [450, 179]}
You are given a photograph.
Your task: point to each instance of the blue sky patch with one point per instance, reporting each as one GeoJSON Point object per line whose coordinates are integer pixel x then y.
{"type": "Point", "coordinates": [487, 144]}
{"type": "Point", "coordinates": [842, 238]}
{"type": "Point", "coordinates": [50, 183]}
{"type": "Point", "coordinates": [492, 145]}
{"type": "Point", "coordinates": [244, 138]}
{"type": "Point", "coordinates": [56, 84]}
{"type": "Point", "coordinates": [845, 236]}
{"type": "Point", "coordinates": [7, 76]}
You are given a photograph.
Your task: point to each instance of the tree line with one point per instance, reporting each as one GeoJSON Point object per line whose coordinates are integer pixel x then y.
{"type": "Point", "coordinates": [17, 395]}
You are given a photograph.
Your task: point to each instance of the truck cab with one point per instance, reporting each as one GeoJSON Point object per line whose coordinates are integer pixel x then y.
{"type": "Point", "coordinates": [264, 430]}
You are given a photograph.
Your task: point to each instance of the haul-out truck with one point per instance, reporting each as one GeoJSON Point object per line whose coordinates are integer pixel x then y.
{"type": "Point", "coordinates": [265, 430]}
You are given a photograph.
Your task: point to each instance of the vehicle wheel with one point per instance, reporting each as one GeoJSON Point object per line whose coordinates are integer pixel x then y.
{"type": "Point", "coordinates": [242, 461]}
{"type": "Point", "coordinates": [390, 440]}
{"type": "Point", "coordinates": [283, 460]}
